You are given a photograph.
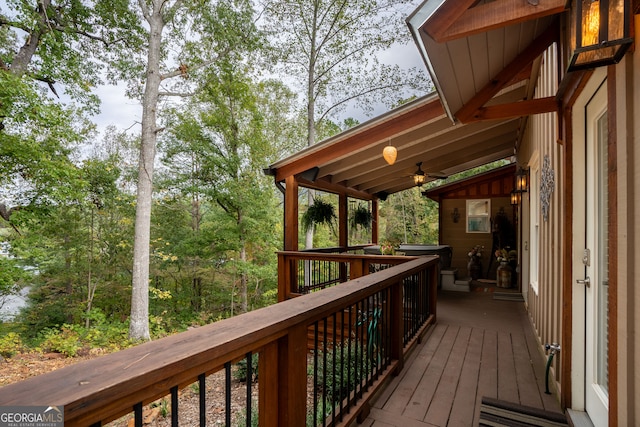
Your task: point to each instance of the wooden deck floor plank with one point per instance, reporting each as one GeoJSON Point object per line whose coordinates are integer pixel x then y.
{"type": "Point", "coordinates": [507, 381]}
{"type": "Point", "coordinates": [525, 375]}
{"type": "Point", "coordinates": [387, 418]}
{"type": "Point", "coordinates": [399, 392]}
{"type": "Point", "coordinates": [464, 404]}
{"type": "Point", "coordinates": [440, 408]}
{"type": "Point", "coordinates": [502, 359]}
{"type": "Point", "coordinates": [549, 401]}
{"type": "Point", "coordinates": [419, 403]}
{"type": "Point", "coordinates": [488, 379]}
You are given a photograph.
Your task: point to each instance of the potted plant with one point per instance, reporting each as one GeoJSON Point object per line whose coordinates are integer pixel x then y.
{"type": "Point", "coordinates": [474, 266]}
{"type": "Point", "coordinates": [503, 273]}
{"type": "Point", "coordinates": [320, 212]}
{"type": "Point", "coordinates": [360, 217]}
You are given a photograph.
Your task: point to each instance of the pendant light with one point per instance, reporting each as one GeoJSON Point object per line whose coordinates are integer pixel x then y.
{"type": "Point", "coordinates": [390, 153]}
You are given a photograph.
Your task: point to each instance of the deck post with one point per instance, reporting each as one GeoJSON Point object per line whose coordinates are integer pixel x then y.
{"type": "Point", "coordinates": [292, 377]}
{"type": "Point", "coordinates": [397, 327]}
{"type": "Point", "coordinates": [268, 385]}
{"type": "Point", "coordinates": [432, 286]}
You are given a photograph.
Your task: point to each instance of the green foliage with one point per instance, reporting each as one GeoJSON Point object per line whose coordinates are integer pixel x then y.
{"type": "Point", "coordinates": [11, 277]}
{"type": "Point", "coordinates": [242, 371]}
{"type": "Point", "coordinates": [65, 341]}
{"type": "Point", "coordinates": [320, 212]}
{"type": "Point", "coordinates": [10, 344]}
{"type": "Point", "coordinates": [242, 418]}
{"type": "Point", "coordinates": [340, 376]}
{"type": "Point", "coordinates": [360, 217]}
{"type": "Point", "coordinates": [71, 339]}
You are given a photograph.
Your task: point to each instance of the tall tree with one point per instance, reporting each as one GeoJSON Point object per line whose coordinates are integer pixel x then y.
{"type": "Point", "coordinates": [224, 140]}
{"type": "Point", "coordinates": [331, 48]}
{"type": "Point", "coordinates": [201, 32]}
{"type": "Point", "coordinates": [47, 48]}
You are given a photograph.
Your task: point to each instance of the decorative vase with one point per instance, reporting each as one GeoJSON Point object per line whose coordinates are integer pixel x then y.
{"type": "Point", "coordinates": [474, 267]}
{"type": "Point", "coordinates": [503, 274]}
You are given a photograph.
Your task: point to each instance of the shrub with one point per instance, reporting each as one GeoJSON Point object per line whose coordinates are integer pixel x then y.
{"type": "Point", "coordinates": [345, 372]}
{"type": "Point", "coordinates": [66, 341]}
{"type": "Point", "coordinates": [10, 345]}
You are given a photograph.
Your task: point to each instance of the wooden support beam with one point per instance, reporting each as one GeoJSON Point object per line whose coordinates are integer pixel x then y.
{"type": "Point", "coordinates": [374, 221]}
{"type": "Point", "coordinates": [447, 14]}
{"type": "Point", "coordinates": [291, 214]}
{"type": "Point", "coordinates": [523, 60]}
{"type": "Point", "coordinates": [517, 109]}
{"type": "Point", "coordinates": [497, 14]}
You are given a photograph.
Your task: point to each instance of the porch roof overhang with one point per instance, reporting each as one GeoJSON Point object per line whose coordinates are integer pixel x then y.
{"type": "Point", "coordinates": [483, 58]}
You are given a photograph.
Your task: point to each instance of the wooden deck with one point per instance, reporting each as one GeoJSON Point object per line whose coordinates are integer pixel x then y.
{"type": "Point", "coordinates": [479, 347]}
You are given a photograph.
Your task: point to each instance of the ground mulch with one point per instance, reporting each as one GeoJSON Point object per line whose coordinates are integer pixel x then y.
{"type": "Point", "coordinates": [26, 365]}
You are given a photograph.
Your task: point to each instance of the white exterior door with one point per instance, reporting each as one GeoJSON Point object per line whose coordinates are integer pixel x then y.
{"type": "Point", "coordinates": [591, 253]}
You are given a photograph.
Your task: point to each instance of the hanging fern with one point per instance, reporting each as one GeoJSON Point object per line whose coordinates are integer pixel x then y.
{"type": "Point", "coordinates": [319, 213]}
{"type": "Point", "coordinates": [360, 217]}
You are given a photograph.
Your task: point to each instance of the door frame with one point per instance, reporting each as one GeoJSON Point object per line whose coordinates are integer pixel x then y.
{"type": "Point", "coordinates": [578, 300]}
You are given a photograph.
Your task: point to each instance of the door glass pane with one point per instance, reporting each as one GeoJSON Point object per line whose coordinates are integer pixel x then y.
{"type": "Point", "coordinates": [603, 256]}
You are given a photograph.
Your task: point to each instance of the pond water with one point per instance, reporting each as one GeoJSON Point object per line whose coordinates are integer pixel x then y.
{"type": "Point", "coordinates": [13, 304]}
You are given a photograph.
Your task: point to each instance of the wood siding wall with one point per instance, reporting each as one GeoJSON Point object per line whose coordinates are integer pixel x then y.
{"type": "Point", "coordinates": [627, 238]}
{"type": "Point", "coordinates": [543, 287]}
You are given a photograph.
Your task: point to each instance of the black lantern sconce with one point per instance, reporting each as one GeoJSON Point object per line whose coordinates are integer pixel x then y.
{"type": "Point", "coordinates": [419, 176]}
{"type": "Point", "coordinates": [516, 197]}
{"type": "Point", "coordinates": [522, 181]}
{"type": "Point", "coordinates": [600, 32]}
{"type": "Point", "coordinates": [455, 215]}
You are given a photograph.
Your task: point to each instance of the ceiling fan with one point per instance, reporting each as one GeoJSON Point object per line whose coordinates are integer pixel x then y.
{"type": "Point", "coordinates": [419, 176]}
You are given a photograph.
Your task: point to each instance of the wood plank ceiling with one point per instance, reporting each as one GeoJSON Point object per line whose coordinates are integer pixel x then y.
{"type": "Point", "coordinates": [483, 57]}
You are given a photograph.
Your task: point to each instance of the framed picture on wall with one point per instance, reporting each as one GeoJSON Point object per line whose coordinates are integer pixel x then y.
{"type": "Point", "coordinates": [479, 216]}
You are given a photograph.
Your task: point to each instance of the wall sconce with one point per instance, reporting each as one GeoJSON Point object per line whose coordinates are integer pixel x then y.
{"type": "Point", "coordinates": [516, 197]}
{"type": "Point", "coordinates": [522, 180]}
{"type": "Point", "coordinates": [390, 153]}
{"type": "Point", "coordinates": [455, 215]}
{"type": "Point", "coordinates": [600, 32]}
{"type": "Point", "coordinates": [419, 176]}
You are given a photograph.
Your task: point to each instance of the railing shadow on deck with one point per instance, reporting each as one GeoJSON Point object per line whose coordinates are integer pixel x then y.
{"type": "Point", "coordinates": [321, 357]}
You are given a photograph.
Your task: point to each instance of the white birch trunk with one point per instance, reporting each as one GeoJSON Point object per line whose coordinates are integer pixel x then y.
{"type": "Point", "coordinates": [139, 321]}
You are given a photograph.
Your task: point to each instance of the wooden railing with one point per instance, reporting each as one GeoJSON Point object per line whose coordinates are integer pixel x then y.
{"type": "Point", "coordinates": [360, 332]}
{"type": "Point", "coordinates": [303, 272]}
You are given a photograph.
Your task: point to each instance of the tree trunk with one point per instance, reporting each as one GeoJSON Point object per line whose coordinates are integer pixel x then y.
{"type": "Point", "coordinates": [139, 322]}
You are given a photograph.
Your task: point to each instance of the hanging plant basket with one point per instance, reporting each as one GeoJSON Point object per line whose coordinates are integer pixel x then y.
{"type": "Point", "coordinates": [319, 213]}
{"type": "Point", "coordinates": [360, 217]}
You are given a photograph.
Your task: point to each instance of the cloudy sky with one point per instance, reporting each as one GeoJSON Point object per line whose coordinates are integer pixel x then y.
{"type": "Point", "coordinates": [125, 113]}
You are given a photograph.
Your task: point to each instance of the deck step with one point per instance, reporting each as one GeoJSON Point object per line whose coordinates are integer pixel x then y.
{"type": "Point", "coordinates": [578, 418]}
{"type": "Point", "coordinates": [495, 412]}
{"type": "Point", "coordinates": [508, 296]}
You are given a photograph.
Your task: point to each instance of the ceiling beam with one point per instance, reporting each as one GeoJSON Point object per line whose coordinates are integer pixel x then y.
{"type": "Point", "coordinates": [497, 14]}
{"type": "Point", "coordinates": [523, 60]}
{"type": "Point", "coordinates": [329, 187]}
{"type": "Point", "coordinates": [517, 109]}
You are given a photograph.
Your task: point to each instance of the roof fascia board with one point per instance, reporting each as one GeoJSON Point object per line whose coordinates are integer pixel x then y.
{"type": "Point", "coordinates": [350, 142]}
{"type": "Point", "coordinates": [497, 14]}
{"type": "Point", "coordinates": [415, 22]}
{"type": "Point", "coordinates": [445, 15]}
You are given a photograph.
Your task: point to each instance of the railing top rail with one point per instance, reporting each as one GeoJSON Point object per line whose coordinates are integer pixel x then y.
{"type": "Point", "coordinates": [107, 385]}
{"type": "Point", "coordinates": [344, 256]}
{"type": "Point", "coordinates": [339, 248]}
